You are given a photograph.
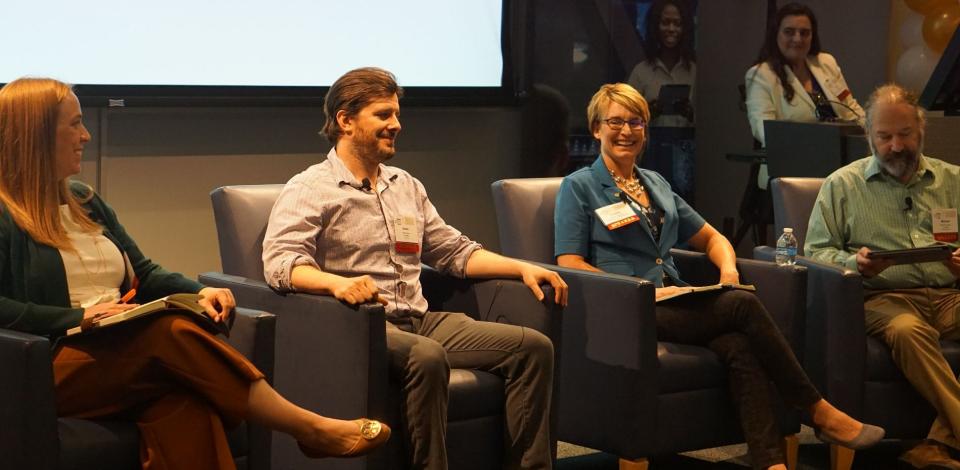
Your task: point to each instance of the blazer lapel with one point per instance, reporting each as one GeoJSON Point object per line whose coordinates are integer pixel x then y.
{"type": "Point", "coordinates": [799, 91]}
{"type": "Point", "coordinates": [660, 200]}
{"type": "Point", "coordinates": [612, 193]}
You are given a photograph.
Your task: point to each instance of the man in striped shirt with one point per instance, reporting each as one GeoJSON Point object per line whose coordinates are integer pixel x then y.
{"type": "Point", "coordinates": [357, 229]}
{"type": "Point", "coordinates": [897, 199]}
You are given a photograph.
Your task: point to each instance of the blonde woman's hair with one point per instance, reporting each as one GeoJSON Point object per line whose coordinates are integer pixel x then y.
{"type": "Point", "coordinates": [29, 189]}
{"type": "Point", "coordinates": [620, 93]}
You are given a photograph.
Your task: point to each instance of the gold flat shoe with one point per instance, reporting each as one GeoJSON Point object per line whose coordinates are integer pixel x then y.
{"type": "Point", "coordinates": [371, 434]}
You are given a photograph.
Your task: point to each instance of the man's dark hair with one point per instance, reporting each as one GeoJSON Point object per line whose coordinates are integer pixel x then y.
{"type": "Point", "coordinates": [354, 90]}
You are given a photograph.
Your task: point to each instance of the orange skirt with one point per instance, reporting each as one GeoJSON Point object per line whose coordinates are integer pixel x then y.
{"type": "Point", "coordinates": [180, 384]}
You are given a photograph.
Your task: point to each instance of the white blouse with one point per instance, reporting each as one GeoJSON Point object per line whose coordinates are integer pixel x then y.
{"type": "Point", "coordinates": [95, 270]}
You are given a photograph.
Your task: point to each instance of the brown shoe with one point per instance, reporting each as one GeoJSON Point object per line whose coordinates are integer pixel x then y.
{"type": "Point", "coordinates": [930, 455]}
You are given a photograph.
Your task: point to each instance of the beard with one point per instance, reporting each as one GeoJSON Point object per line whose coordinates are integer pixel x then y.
{"type": "Point", "coordinates": [369, 148]}
{"type": "Point", "coordinates": [900, 164]}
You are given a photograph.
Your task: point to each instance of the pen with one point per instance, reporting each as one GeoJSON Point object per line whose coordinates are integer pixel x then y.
{"type": "Point", "coordinates": [128, 296]}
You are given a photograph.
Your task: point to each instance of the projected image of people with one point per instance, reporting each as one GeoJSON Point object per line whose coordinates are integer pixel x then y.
{"type": "Point", "coordinates": [666, 77]}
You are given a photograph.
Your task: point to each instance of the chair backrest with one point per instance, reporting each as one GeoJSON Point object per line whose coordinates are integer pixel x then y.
{"type": "Point", "coordinates": [524, 208]}
{"type": "Point", "coordinates": [793, 200]}
{"type": "Point", "coordinates": [241, 214]}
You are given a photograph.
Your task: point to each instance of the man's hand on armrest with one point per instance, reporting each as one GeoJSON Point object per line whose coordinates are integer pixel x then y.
{"type": "Point", "coordinates": [352, 290]}
{"type": "Point", "coordinates": [483, 263]}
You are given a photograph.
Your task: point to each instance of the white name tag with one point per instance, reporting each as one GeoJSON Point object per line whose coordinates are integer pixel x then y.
{"type": "Point", "coordinates": [944, 224]}
{"type": "Point", "coordinates": [616, 215]}
{"type": "Point", "coordinates": [405, 229]}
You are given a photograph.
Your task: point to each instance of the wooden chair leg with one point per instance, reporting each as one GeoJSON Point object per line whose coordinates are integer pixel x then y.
{"type": "Point", "coordinates": [791, 448]}
{"type": "Point", "coordinates": [841, 458]}
{"type": "Point", "coordinates": [639, 464]}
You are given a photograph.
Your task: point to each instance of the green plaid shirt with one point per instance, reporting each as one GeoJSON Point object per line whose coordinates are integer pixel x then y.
{"type": "Point", "coordinates": [860, 205]}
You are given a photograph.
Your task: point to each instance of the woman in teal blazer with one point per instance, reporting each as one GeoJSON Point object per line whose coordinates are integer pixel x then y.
{"type": "Point", "coordinates": [616, 217]}
{"type": "Point", "coordinates": [65, 261]}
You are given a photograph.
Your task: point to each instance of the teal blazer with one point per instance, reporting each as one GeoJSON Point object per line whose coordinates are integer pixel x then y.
{"type": "Point", "coordinates": [34, 296]}
{"type": "Point", "coordinates": [631, 249]}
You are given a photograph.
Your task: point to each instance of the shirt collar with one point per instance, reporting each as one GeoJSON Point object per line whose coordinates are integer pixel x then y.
{"type": "Point", "coordinates": [344, 176]}
{"type": "Point", "coordinates": [874, 170]}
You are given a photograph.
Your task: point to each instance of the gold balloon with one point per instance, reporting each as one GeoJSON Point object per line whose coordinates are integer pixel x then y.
{"type": "Point", "coordinates": [938, 27]}
{"type": "Point", "coordinates": [926, 7]}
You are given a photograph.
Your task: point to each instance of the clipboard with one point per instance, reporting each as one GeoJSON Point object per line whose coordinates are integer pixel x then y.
{"type": "Point", "coordinates": [926, 254]}
{"type": "Point", "coordinates": [670, 96]}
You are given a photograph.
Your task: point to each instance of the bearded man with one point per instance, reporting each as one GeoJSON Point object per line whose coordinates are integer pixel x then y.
{"type": "Point", "coordinates": [899, 198]}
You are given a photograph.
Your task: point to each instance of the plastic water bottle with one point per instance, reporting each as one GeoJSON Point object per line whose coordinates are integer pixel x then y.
{"type": "Point", "coordinates": [787, 248]}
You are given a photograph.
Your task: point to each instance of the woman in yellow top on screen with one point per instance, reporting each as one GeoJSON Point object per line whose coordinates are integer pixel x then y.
{"type": "Point", "coordinates": [793, 79]}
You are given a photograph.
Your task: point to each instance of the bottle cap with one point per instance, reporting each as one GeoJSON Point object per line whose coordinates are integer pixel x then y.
{"type": "Point", "coordinates": [787, 230]}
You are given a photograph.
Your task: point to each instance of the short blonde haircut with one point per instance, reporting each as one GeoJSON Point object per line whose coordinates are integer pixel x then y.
{"type": "Point", "coordinates": [29, 189]}
{"type": "Point", "coordinates": [620, 93]}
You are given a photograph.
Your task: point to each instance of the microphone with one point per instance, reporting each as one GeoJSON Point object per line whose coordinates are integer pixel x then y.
{"type": "Point", "coordinates": [824, 99]}
{"type": "Point", "coordinates": [909, 202]}
{"type": "Point", "coordinates": [365, 184]}
{"type": "Point", "coordinates": [845, 105]}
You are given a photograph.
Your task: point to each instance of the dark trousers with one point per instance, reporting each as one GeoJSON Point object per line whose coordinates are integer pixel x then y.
{"type": "Point", "coordinates": [180, 384]}
{"type": "Point", "coordinates": [421, 360]}
{"type": "Point", "coordinates": [736, 326]}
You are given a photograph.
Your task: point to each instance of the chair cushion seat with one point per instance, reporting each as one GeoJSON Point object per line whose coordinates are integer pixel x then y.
{"type": "Point", "coordinates": [880, 365]}
{"type": "Point", "coordinates": [685, 367]}
{"type": "Point", "coordinates": [98, 444]}
{"type": "Point", "coordinates": [474, 394]}
{"type": "Point", "coordinates": [109, 445]}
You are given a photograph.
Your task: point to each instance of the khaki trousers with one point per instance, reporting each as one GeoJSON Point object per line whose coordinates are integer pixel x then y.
{"type": "Point", "coordinates": [911, 322]}
{"type": "Point", "coordinates": [179, 383]}
{"type": "Point", "coordinates": [421, 359]}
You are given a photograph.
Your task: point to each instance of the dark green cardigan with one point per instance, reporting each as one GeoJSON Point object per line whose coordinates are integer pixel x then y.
{"type": "Point", "coordinates": [34, 296]}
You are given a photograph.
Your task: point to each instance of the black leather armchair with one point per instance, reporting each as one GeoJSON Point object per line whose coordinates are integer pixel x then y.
{"type": "Point", "coordinates": [331, 358]}
{"type": "Point", "coordinates": [31, 435]}
{"type": "Point", "coordinates": [853, 370]}
{"type": "Point", "coordinates": [622, 391]}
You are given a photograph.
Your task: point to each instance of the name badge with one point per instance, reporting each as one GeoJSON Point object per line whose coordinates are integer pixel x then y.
{"type": "Point", "coordinates": [944, 224]}
{"type": "Point", "coordinates": [837, 87]}
{"type": "Point", "coordinates": [405, 229]}
{"type": "Point", "coordinates": [616, 215]}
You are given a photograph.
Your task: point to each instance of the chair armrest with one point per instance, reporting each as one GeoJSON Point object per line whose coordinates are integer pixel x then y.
{"type": "Point", "coordinates": [782, 290]}
{"type": "Point", "coordinates": [607, 361]}
{"type": "Point", "coordinates": [331, 358]}
{"type": "Point", "coordinates": [328, 353]}
{"type": "Point", "coordinates": [28, 415]}
{"type": "Point", "coordinates": [765, 253]}
{"type": "Point", "coordinates": [836, 341]}
{"type": "Point", "coordinates": [495, 300]}
{"type": "Point", "coordinates": [253, 334]}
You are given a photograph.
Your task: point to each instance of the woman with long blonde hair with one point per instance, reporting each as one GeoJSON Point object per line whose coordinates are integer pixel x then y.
{"type": "Point", "coordinates": [66, 261]}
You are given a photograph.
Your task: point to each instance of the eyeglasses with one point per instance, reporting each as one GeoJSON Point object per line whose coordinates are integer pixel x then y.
{"type": "Point", "coordinates": [616, 124]}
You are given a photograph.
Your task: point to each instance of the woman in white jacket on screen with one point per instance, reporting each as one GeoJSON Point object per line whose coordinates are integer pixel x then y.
{"type": "Point", "coordinates": [793, 80]}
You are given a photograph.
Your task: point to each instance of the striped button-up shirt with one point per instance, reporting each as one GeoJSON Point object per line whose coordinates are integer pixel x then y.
{"type": "Point", "coordinates": [325, 218]}
{"type": "Point", "coordinates": [860, 205]}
